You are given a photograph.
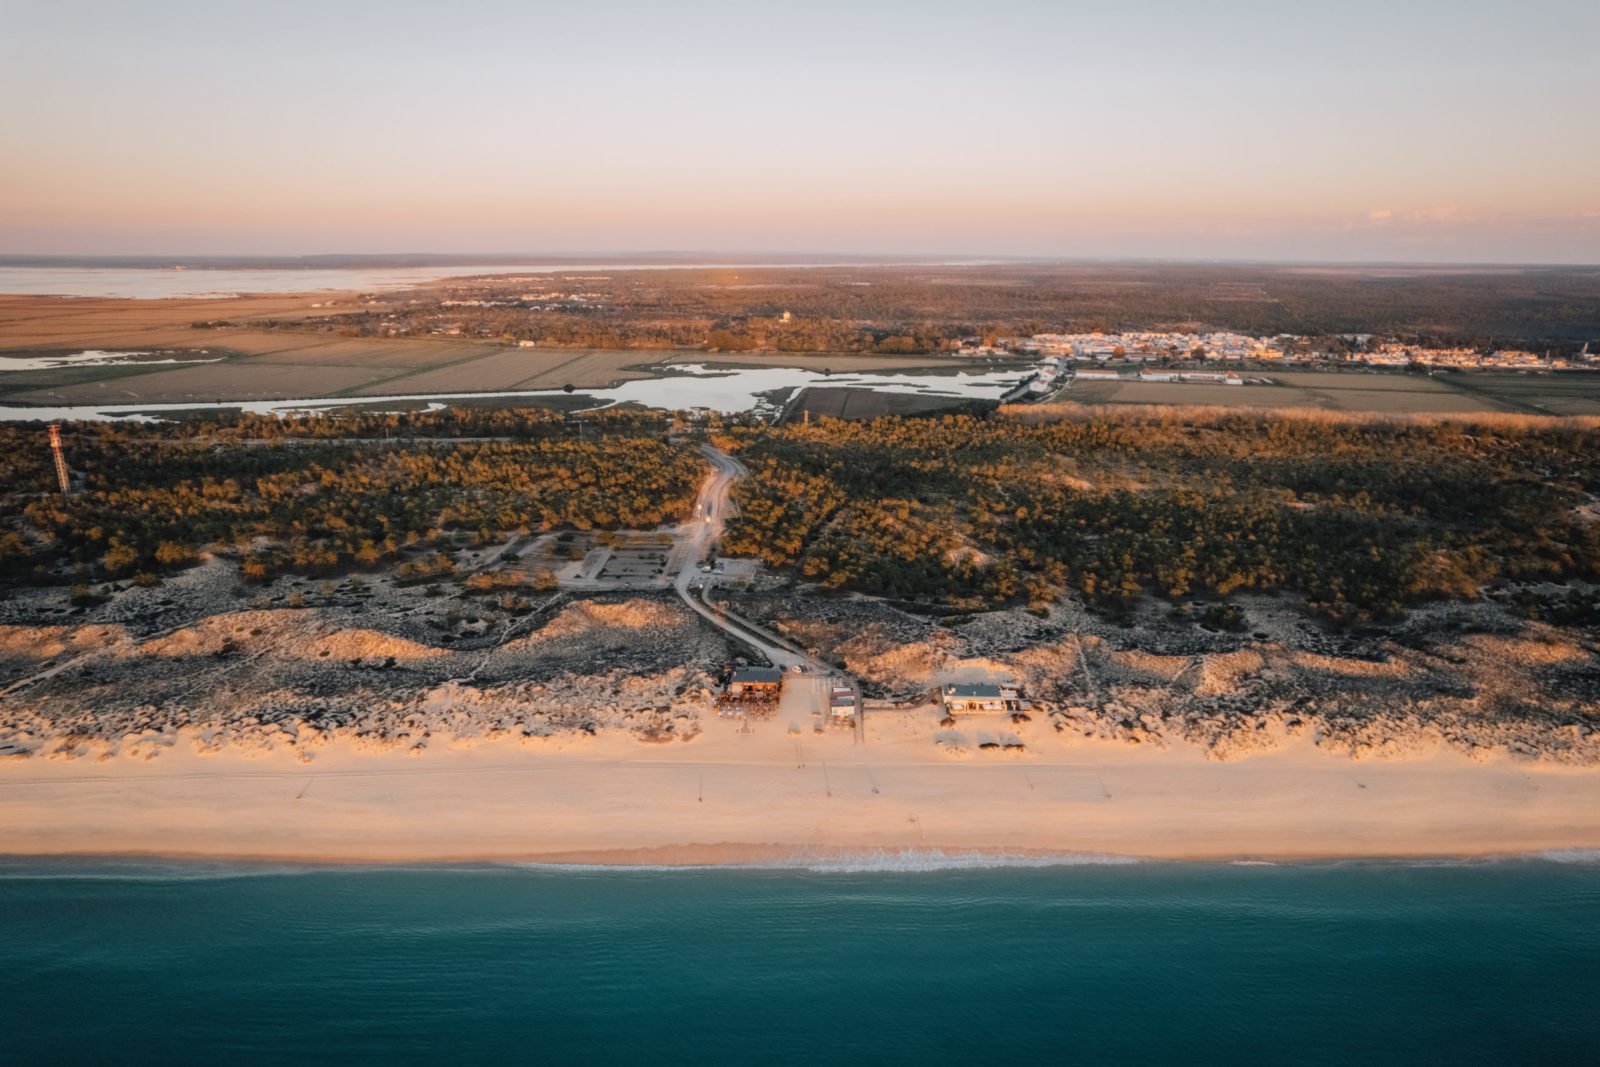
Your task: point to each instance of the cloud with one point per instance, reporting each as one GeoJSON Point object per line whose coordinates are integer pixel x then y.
{"type": "Point", "coordinates": [1425, 216]}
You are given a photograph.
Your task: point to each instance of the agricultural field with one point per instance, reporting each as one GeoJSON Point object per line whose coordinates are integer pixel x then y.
{"type": "Point", "coordinates": [1575, 393]}
{"type": "Point", "coordinates": [846, 362]}
{"type": "Point", "coordinates": [312, 366]}
{"type": "Point", "coordinates": [1318, 390]}
{"type": "Point", "coordinates": [239, 355]}
{"type": "Point", "coordinates": [847, 403]}
{"type": "Point", "coordinates": [486, 368]}
{"type": "Point", "coordinates": [51, 323]}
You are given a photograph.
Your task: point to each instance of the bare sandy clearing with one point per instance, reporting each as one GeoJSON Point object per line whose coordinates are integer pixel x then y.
{"type": "Point", "coordinates": [48, 642]}
{"type": "Point", "coordinates": [588, 616]}
{"type": "Point", "coordinates": [302, 634]}
{"type": "Point", "coordinates": [1526, 652]}
{"type": "Point", "coordinates": [1222, 673]}
{"type": "Point", "coordinates": [1166, 668]}
{"type": "Point", "coordinates": [54, 322]}
{"type": "Point", "coordinates": [1357, 667]}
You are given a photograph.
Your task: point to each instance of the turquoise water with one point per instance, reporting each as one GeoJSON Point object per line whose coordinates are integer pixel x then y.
{"type": "Point", "coordinates": [1140, 963]}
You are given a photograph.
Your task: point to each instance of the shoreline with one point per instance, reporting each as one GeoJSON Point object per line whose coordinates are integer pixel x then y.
{"type": "Point", "coordinates": [756, 857]}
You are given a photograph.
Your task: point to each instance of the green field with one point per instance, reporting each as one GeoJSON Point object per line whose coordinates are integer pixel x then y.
{"type": "Point", "coordinates": [1570, 393]}
{"type": "Point", "coordinates": [1574, 393]}
{"type": "Point", "coordinates": [849, 403]}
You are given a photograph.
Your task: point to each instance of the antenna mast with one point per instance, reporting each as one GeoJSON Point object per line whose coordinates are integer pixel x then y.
{"type": "Point", "coordinates": [61, 460]}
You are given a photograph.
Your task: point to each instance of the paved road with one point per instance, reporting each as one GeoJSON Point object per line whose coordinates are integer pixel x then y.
{"type": "Point", "coordinates": [710, 513]}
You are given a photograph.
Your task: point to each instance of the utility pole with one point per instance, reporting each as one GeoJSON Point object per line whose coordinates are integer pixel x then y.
{"type": "Point", "coordinates": [61, 461]}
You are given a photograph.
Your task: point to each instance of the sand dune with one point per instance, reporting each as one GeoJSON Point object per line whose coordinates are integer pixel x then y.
{"type": "Point", "coordinates": [48, 642]}
{"type": "Point", "coordinates": [587, 616]}
{"type": "Point", "coordinates": [591, 731]}
{"type": "Point", "coordinates": [284, 634]}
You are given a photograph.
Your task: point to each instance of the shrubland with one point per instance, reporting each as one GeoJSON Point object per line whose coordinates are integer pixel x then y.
{"type": "Point", "coordinates": [1360, 517]}
{"type": "Point", "coordinates": [153, 498]}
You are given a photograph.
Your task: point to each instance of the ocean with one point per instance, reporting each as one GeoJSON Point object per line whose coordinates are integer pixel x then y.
{"type": "Point", "coordinates": [899, 960]}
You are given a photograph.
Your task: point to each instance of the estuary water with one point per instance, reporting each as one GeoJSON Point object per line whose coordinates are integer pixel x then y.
{"type": "Point", "coordinates": [905, 960]}
{"type": "Point", "coordinates": [205, 284]}
{"type": "Point", "coordinates": [155, 283]}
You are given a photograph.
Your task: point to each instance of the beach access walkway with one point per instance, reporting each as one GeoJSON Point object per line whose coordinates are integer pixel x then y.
{"type": "Point", "coordinates": [710, 513]}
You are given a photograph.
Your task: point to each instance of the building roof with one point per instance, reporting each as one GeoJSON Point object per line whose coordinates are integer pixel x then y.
{"type": "Point", "coordinates": [973, 692]}
{"type": "Point", "coordinates": [747, 675]}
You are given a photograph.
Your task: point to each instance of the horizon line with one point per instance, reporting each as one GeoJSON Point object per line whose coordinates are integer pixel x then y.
{"type": "Point", "coordinates": [773, 259]}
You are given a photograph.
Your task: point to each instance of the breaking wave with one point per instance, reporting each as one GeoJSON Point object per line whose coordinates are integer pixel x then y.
{"type": "Point", "coordinates": [867, 861]}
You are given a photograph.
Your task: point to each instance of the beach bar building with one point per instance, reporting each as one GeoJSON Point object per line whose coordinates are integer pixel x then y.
{"type": "Point", "coordinates": [755, 683]}
{"type": "Point", "coordinates": [842, 701]}
{"type": "Point", "coordinates": [979, 699]}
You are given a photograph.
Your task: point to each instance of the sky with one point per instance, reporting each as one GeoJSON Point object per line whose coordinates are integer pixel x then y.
{"type": "Point", "coordinates": [1408, 130]}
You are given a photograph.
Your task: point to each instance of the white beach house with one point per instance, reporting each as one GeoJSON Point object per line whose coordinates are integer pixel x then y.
{"type": "Point", "coordinates": [979, 699]}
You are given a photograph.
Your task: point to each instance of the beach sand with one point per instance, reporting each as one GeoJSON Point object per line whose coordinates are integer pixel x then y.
{"type": "Point", "coordinates": [733, 797]}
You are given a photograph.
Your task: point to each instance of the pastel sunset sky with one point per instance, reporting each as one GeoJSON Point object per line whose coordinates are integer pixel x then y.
{"type": "Point", "coordinates": [1406, 130]}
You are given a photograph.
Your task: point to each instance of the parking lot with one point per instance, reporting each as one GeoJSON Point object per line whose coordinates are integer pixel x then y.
{"type": "Point", "coordinates": [634, 564]}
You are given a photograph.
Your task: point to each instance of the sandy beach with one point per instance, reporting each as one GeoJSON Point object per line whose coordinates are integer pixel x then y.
{"type": "Point", "coordinates": [594, 738]}
{"type": "Point", "coordinates": [739, 797]}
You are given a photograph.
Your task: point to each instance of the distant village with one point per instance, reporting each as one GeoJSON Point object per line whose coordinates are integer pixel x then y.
{"type": "Point", "coordinates": [462, 316]}
{"type": "Point", "coordinates": [1158, 347]}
